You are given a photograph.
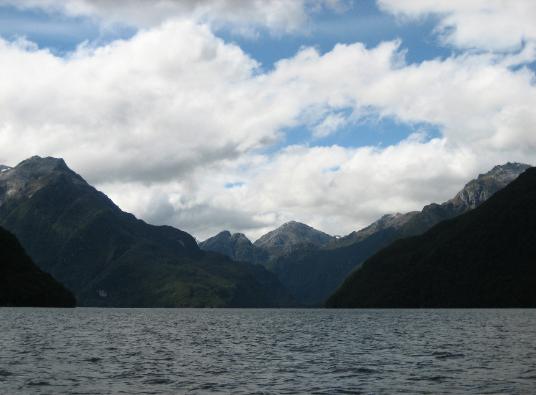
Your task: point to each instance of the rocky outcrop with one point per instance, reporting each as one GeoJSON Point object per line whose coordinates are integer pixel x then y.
{"type": "Point", "coordinates": [292, 236]}
{"type": "Point", "coordinates": [236, 246]}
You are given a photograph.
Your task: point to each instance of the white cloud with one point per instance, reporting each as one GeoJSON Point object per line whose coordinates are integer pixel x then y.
{"type": "Point", "coordinates": [497, 25]}
{"type": "Point", "coordinates": [155, 106]}
{"type": "Point", "coordinates": [278, 16]}
{"type": "Point", "coordinates": [335, 189]}
{"type": "Point", "coordinates": [329, 125]}
{"type": "Point", "coordinates": [164, 120]}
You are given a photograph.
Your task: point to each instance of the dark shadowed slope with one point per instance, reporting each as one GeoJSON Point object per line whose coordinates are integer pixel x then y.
{"type": "Point", "coordinates": [108, 257]}
{"type": "Point", "coordinates": [484, 258]}
{"type": "Point", "coordinates": [24, 284]}
{"type": "Point", "coordinates": [313, 275]}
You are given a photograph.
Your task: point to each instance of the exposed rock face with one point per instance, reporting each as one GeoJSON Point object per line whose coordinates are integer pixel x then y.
{"type": "Point", "coordinates": [292, 236]}
{"type": "Point", "coordinates": [108, 257]}
{"type": "Point", "coordinates": [482, 258]}
{"type": "Point", "coordinates": [30, 176]}
{"type": "Point", "coordinates": [236, 246]}
{"type": "Point", "coordinates": [473, 194]}
{"type": "Point", "coordinates": [482, 188]}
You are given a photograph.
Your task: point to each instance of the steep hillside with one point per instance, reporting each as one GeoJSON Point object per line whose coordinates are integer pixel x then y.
{"type": "Point", "coordinates": [22, 283]}
{"type": "Point", "coordinates": [312, 276]}
{"type": "Point", "coordinates": [483, 258]}
{"type": "Point", "coordinates": [108, 257]}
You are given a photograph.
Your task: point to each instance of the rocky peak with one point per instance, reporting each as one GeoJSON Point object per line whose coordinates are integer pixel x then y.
{"type": "Point", "coordinates": [240, 238]}
{"type": "Point", "coordinates": [236, 246]}
{"type": "Point", "coordinates": [485, 185]}
{"type": "Point", "coordinates": [474, 193]}
{"type": "Point", "coordinates": [32, 174]}
{"type": "Point", "coordinates": [291, 236]}
{"type": "Point", "coordinates": [38, 166]}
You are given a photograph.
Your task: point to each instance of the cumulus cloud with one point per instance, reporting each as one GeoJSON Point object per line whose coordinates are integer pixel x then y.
{"type": "Point", "coordinates": [278, 16]}
{"type": "Point", "coordinates": [165, 120]}
{"type": "Point", "coordinates": [161, 103]}
{"type": "Point", "coordinates": [496, 25]}
{"type": "Point", "coordinates": [334, 188]}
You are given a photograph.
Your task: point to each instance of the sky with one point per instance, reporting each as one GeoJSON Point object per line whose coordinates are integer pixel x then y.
{"type": "Point", "coordinates": [242, 115]}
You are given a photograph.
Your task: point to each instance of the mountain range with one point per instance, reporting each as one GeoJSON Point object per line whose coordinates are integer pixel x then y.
{"type": "Point", "coordinates": [290, 237]}
{"type": "Point", "coordinates": [107, 257]}
{"type": "Point", "coordinates": [482, 258]}
{"type": "Point", "coordinates": [314, 265]}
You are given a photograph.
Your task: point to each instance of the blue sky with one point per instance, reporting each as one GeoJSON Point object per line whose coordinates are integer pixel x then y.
{"type": "Point", "coordinates": [179, 127]}
{"type": "Point", "coordinates": [361, 21]}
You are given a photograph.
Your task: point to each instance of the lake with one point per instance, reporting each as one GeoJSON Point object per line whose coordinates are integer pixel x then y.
{"type": "Point", "coordinates": [163, 351]}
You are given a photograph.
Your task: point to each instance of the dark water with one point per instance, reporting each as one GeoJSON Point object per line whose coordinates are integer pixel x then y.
{"type": "Point", "coordinates": [158, 351]}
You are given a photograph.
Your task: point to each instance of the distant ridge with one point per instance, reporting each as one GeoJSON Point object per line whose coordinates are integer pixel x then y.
{"type": "Point", "coordinates": [236, 246]}
{"type": "Point", "coordinates": [313, 275]}
{"type": "Point", "coordinates": [483, 258]}
{"type": "Point", "coordinates": [473, 194]}
{"type": "Point", "coordinates": [289, 237]}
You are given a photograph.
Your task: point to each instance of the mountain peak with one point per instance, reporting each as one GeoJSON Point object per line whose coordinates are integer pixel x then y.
{"type": "Point", "coordinates": [472, 195]}
{"type": "Point", "coordinates": [224, 234]}
{"type": "Point", "coordinates": [507, 172]}
{"type": "Point", "coordinates": [476, 191]}
{"type": "Point", "coordinates": [31, 175]}
{"type": "Point", "coordinates": [482, 258]}
{"type": "Point", "coordinates": [294, 225]}
{"type": "Point", "coordinates": [290, 236]}
{"type": "Point", "coordinates": [43, 164]}
{"type": "Point", "coordinates": [236, 246]}
{"type": "Point", "coordinates": [239, 237]}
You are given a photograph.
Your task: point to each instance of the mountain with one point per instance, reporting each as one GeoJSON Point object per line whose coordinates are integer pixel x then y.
{"type": "Point", "coordinates": [483, 258]}
{"type": "Point", "coordinates": [22, 283]}
{"type": "Point", "coordinates": [473, 194]}
{"type": "Point", "coordinates": [291, 236]}
{"type": "Point", "coordinates": [311, 276]}
{"type": "Point", "coordinates": [108, 257]}
{"type": "Point", "coordinates": [236, 246]}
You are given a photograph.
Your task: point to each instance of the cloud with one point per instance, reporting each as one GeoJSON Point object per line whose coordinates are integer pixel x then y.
{"type": "Point", "coordinates": [165, 120]}
{"type": "Point", "coordinates": [244, 17]}
{"type": "Point", "coordinates": [495, 25]}
{"type": "Point", "coordinates": [336, 189]}
{"type": "Point", "coordinates": [330, 124]}
{"type": "Point", "coordinates": [156, 106]}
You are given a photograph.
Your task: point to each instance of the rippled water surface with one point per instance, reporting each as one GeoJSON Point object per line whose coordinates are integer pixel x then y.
{"type": "Point", "coordinates": [158, 351]}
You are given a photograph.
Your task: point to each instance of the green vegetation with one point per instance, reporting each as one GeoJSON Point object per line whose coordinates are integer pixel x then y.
{"type": "Point", "coordinates": [109, 258]}
{"type": "Point", "coordinates": [484, 258]}
{"type": "Point", "coordinates": [24, 284]}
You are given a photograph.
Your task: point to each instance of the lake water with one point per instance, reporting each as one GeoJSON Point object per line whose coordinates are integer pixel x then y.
{"type": "Point", "coordinates": [163, 351]}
